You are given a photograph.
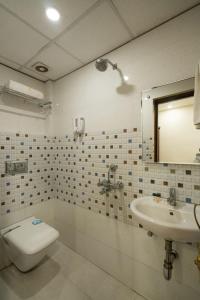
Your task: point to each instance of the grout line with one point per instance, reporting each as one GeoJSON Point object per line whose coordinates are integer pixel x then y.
{"type": "Point", "coordinates": [82, 16]}
{"type": "Point", "coordinates": [69, 53]}
{"type": "Point", "coordinates": [100, 268]}
{"type": "Point", "coordinates": [96, 4]}
{"type": "Point", "coordinates": [9, 60]}
{"type": "Point", "coordinates": [46, 46]}
{"type": "Point", "coordinates": [19, 71]}
{"type": "Point", "coordinates": [136, 37]}
{"type": "Point", "coordinates": [108, 246]}
{"type": "Point", "coordinates": [69, 27]}
{"type": "Point", "coordinates": [23, 21]}
{"type": "Point", "coordinates": [50, 41]}
{"type": "Point", "coordinates": [123, 22]}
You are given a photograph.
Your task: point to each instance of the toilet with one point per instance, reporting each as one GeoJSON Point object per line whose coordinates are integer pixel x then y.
{"type": "Point", "coordinates": [27, 242]}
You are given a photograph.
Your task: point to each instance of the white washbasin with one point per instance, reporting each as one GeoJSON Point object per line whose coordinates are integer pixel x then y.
{"type": "Point", "coordinates": [171, 223]}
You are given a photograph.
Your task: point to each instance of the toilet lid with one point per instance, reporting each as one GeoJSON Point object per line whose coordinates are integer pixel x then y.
{"type": "Point", "coordinates": [30, 238]}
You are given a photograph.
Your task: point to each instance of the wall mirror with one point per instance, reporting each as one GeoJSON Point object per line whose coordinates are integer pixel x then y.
{"type": "Point", "coordinates": [169, 135]}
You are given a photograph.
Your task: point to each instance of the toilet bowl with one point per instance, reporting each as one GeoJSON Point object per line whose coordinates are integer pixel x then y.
{"type": "Point", "coordinates": [27, 242]}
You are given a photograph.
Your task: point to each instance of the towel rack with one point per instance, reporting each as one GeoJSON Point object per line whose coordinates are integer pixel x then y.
{"type": "Point", "coordinates": [43, 103]}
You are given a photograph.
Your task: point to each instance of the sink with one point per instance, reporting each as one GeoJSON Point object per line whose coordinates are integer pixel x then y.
{"type": "Point", "coordinates": [171, 223]}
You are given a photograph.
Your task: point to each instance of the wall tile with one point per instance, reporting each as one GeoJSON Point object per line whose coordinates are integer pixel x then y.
{"type": "Point", "coordinates": [20, 191]}
{"type": "Point", "coordinates": [81, 163]}
{"type": "Point", "coordinates": [70, 169]}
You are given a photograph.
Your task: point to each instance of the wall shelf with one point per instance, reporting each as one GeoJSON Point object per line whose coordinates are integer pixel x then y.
{"type": "Point", "coordinates": [21, 112]}
{"type": "Point", "coordinates": [44, 103]}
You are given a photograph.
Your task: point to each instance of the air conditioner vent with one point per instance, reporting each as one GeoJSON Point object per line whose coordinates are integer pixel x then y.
{"type": "Point", "coordinates": [40, 67]}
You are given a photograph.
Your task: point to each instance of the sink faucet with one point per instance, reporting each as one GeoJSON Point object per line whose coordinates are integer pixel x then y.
{"type": "Point", "coordinates": [172, 197]}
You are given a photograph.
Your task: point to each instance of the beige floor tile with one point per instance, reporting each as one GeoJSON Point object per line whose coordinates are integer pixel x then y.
{"type": "Point", "coordinates": [112, 289]}
{"type": "Point", "coordinates": [64, 276]}
{"type": "Point", "coordinates": [68, 260]}
{"type": "Point", "coordinates": [88, 278]}
{"type": "Point", "coordinates": [5, 292]}
{"type": "Point", "coordinates": [61, 289]}
{"type": "Point", "coordinates": [10, 290]}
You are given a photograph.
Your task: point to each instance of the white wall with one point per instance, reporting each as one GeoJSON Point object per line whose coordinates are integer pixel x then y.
{"type": "Point", "coordinates": [166, 54]}
{"type": "Point", "coordinates": [128, 254]}
{"type": "Point", "coordinates": [178, 135]}
{"type": "Point", "coordinates": [10, 122]}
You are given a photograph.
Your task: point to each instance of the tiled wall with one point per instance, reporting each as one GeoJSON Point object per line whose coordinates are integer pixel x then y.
{"type": "Point", "coordinates": [37, 185]}
{"type": "Point", "coordinates": [70, 170]}
{"type": "Point", "coordinates": [81, 163]}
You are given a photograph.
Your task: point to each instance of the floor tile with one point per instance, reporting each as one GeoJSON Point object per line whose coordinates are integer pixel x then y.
{"type": "Point", "coordinates": [64, 276]}
{"type": "Point", "coordinates": [88, 278]}
{"type": "Point", "coordinates": [112, 289]}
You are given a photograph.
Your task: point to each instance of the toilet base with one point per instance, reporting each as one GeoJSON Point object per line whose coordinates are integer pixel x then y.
{"type": "Point", "coordinates": [27, 242]}
{"type": "Point", "coordinates": [28, 262]}
{"type": "Point", "coordinates": [24, 262]}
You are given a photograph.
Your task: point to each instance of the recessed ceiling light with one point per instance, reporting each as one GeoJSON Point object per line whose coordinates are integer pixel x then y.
{"type": "Point", "coordinates": [169, 106]}
{"type": "Point", "coordinates": [52, 14]}
{"type": "Point", "coordinates": [125, 77]}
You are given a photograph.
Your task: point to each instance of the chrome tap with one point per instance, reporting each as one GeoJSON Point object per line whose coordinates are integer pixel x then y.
{"type": "Point", "coordinates": [172, 197]}
{"type": "Point", "coordinates": [106, 184]}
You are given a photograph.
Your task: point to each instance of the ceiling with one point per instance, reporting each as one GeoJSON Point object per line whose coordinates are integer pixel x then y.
{"type": "Point", "coordinates": [87, 30]}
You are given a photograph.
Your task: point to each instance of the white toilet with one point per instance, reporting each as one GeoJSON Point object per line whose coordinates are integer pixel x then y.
{"type": "Point", "coordinates": [27, 242]}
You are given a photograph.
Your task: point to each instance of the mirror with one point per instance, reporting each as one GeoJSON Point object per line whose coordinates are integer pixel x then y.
{"type": "Point", "coordinates": [168, 132]}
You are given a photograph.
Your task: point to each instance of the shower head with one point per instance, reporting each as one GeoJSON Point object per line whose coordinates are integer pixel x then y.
{"type": "Point", "coordinates": [102, 64]}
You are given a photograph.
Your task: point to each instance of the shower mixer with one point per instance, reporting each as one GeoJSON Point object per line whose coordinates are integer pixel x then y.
{"type": "Point", "coordinates": [107, 185]}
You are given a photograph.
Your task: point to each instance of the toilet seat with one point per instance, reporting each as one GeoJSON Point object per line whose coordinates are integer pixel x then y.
{"type": "Point", "coordinates": [28, 238]}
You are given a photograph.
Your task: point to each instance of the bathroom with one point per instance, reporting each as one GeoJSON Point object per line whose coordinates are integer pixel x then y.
{"type": "Point", "coordinates": [99, 158]}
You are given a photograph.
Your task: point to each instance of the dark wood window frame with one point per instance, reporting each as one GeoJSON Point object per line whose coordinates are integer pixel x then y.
{"type": "Point", "coordinates": [156, 102]}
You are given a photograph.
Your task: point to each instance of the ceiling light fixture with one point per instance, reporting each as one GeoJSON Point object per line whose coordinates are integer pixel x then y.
{"type": "Point", "coordinates": [52, 14]}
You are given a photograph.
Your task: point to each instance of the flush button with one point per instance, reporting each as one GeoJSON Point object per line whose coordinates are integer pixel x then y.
{"type": "Point", "coordinates": [37, 221]}
{"type": "Point", "coordinates": [16, 167]}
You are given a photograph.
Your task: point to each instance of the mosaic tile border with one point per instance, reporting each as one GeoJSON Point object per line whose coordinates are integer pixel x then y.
{"type": "Point", "coordinates": [37, 185]}
{"type": "Point", "coordinates": [81, 164]}
{"type": "Point", "coordinates": [69, 170]}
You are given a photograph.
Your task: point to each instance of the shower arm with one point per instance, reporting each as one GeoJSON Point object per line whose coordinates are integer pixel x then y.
{"type": "Point", "coordinates": [114, 66]}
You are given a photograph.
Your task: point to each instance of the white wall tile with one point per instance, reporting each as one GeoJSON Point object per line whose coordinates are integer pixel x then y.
{"type": "Point", "coordinates": [146, 279]}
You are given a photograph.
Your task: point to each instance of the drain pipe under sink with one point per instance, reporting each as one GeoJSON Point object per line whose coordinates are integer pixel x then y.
{"type": "Point", "coordinates": [170, 256]}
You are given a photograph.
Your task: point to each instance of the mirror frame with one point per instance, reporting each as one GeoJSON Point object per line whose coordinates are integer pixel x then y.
{"type": "Point", "coordinates": [149, 97]}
